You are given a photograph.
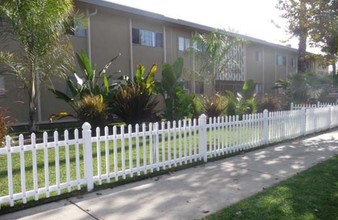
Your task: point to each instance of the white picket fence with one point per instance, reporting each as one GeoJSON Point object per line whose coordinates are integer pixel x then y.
{"type": "Point", "coordinates": [294, 106]}
{"type": "Point", "coordinates": [36, 170]}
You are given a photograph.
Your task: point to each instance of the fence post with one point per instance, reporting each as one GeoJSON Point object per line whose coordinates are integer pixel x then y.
{"type": "Point", "coordinates": [88, 155]}
{"type": "Point", "coordinates": [303, 121]}
{"type": "Point", "coordinates": [330, 117]}
{"type": "Point", "coordinates": [291, 106]}
{"type": "Point", "coordinates": [266, 126]}
{"type": "Point", "coordinates": [203, 137]}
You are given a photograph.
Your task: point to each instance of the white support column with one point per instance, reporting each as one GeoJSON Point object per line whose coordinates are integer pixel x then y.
{"type": "Point", "coordinates": [244, 61]}
{"type": "Point", "coordinates": [263, 70]}
{"type": "Point", "coordinates": [164, 44]}
{"type": "Point", "coordinates": [131, 48]}
{"type": "Point", "coordinates": [276, 60]}
{"type": "Point", "coordinates": [89, 39]}
{"type": "Point", "coordinates": [193, 84]}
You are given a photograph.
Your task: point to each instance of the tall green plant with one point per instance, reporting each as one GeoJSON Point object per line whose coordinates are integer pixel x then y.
{"type": "Point", "coordinates": [38, 27]}
{"type": "Point", "coordinates": [134, 100]}
{"type": "Point", "coordinates": [179, 104]}
{"type": "Point", "coordinates": [87, 96]}
{"type": "Point", "coordinates": [242, 103]}
{"type": "Point", "coordinates": [87, 83]}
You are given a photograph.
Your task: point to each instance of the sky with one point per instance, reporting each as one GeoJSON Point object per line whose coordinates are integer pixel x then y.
{"type": "Point", "coordinates": [249, 17]}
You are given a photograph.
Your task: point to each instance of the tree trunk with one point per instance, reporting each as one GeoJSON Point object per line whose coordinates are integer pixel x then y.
{"type": "Point", "coordinates": [302, 52]}
{"type": "Point", "coordinates": [303, 34]}
{"type": "Point", "coordinates": [32, 94]}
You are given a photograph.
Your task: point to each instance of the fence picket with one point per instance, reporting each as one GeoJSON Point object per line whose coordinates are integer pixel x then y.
{"type": "Point", "coordinates": [169, 129]}
{"type": "Point", "coordinates": [22, 169]}
{"type": "Point", "coordinates": [130, 143]}
{"type": "Point", "coordinates": [77, 159]}
{"type": "Point", "coordinates": [9, 171]}
{"type": "Point", "coordinates": [66, 135]}
{"type": "Point", "coordinates": [123, 153]}
{"type": "Point", "coordinates": [116, 162]}
{"type": "Point", "coordinates": [107, 157]}
{"type": "Point", "coordinates": [57, 162]}
{"type": "Point", "coordinates": [137, 129]}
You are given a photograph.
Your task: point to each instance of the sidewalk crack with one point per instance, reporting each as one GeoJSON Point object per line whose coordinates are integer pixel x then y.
{"type": "Point", "coordinates": [88, 213]}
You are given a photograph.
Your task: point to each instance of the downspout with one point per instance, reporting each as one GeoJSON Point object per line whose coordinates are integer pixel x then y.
{"type": "Point", "coordinates": [193, 68]}
{"type": "Point", "coordinates": [131, 48]}
{"type": "Point", "coordinates": [263, 70]}
{"type": "Point", "coordinates": [164, 45]}
{"type": "Point", "coordinates": [89, 39]}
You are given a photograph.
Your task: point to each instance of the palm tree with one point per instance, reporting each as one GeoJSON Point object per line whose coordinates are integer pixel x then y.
{"type": "Point", "coordinates": [38, 27]}
{"type": "Point", "coordinates": [212, 53]}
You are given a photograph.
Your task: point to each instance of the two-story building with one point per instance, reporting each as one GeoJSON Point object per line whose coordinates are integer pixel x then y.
{"type": "Point", "coordinates": [104, 29]}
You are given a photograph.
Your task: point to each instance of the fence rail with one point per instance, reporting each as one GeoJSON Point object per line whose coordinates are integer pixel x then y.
{"type": "Point", "coordinates": [294, 106]}
{"type": "Point", "coordinates": [45, 169]}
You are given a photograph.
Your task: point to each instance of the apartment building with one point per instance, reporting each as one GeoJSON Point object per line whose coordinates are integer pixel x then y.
{"type": "Point", "coordinates": [104, 29]}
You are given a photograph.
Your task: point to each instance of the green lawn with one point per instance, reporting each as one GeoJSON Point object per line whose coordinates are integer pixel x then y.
{"type": "Point", "coordinates": [312, 194]}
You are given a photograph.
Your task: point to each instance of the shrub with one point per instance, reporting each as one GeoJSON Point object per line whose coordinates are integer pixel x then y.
{"type": "Point", "coordinates": [213, 106]}
{"type": "Point", "coordinates": [134, 104]}
{"type": "Point", "coordinates": [198, 107]}
{"type": "Point", "coordinates": [269, 103]}
{"type": "Point", "coordinates": [184, 104]}
{"type": "Point", "coordinates": [134, 100]}
{"type": "Point", "coordinates": [239, 105]}
{"type": "Point", "coordinates": [3, 124]}
{"type": "Point", "coordinates": [91, 109]}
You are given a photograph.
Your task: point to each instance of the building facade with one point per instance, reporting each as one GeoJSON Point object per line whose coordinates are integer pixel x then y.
{"type": "Point", "coordinates": [104, 29]}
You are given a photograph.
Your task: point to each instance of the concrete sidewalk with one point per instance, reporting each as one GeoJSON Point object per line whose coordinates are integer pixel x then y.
{"type": "Point", "coordinates": [195, 192]}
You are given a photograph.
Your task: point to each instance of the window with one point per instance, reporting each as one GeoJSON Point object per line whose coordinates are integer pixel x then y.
{"type": "Point", "coordinates": [147, 38]}
{"type": "Point", "coordinates": [258, 56]}
{"type": "Point", "coordinates": [183, 43]}
{"type": "Point", "coordinates": [78, 27]}
{"type": "Point", "coordinates": [293, 62]}
{"type": "Point", "coordinates": [281, 60]}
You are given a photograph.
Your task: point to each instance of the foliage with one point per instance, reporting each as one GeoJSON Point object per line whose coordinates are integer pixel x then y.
{"type": "Point", "coordinates": [3, 124]}
{"type": "Point", "coordinates": [89, 108]}
{"type": "Point", "coordinates": [298, 88]}
{"type": "Point", "coordinates": [241, 103]}
{"type": "Point", "coordinates": [269, 103]}
{"type": "Point", "coordinates": [88, 84]}
{"type": "Point", "coordinates": [92, 109]}
{"type": "Point", "coordinates": [197, 106]}
{"type": "Point", "coordinates": [38, 28]}
{"type": "Point", "coordinates": [184, 104]}
{"type": "Point", "coordinates": [213, 106]}
{"type": "Point", "coordinates": [179, 104]}
{"type": "Point", "coordinates": [86, 92]}
{"type": "Point", "coordinates": [313, 20]}
{"type": "Point", "coordinates": [134, 101]}
{"type": "Point", "coordinates": [212, 55]}
{"type": "Point", "coordinates": [134, 104]}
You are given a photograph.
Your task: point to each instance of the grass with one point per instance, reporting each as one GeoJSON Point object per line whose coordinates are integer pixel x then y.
{"type": "Point", "coordinates": [312, 194]}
